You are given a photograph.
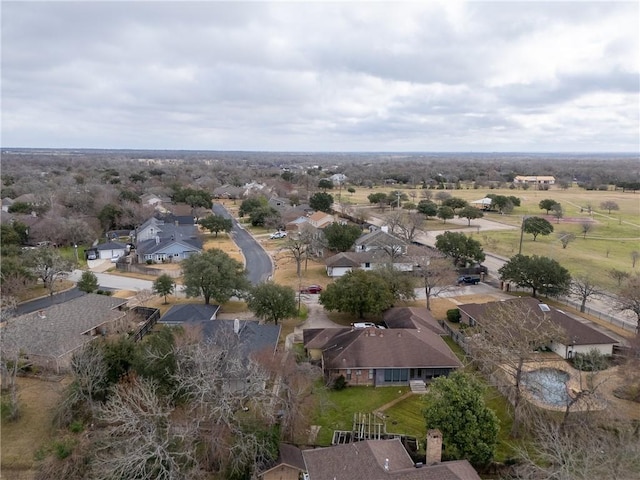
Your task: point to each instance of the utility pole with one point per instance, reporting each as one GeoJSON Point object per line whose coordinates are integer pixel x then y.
{"type": "Point", "coordinates": [521, 234]}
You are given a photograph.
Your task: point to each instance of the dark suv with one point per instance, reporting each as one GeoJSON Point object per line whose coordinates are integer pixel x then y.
{"type": "Point", "coordinates": [468, 280]}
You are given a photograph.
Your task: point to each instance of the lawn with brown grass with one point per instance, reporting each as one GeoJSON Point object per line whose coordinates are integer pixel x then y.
{"type": "Point", "coordinates": [22, 438]}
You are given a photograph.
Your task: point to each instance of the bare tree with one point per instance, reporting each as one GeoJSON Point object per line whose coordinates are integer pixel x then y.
{"type": "Point", "coordinates": [89, 370]}
{"type": "Point", "coordinates": [219, 381]}
{"type": "Point", "coordinates": [586, 227]}
{"type": "Point", "coordinates": [437, 275]}
{"type": "Point", "coordinates": [410, 225]}
{"type": "Point", "coordinates": [10, 355]}
{"type": "Point", "coordinates": [141, 438]}
{"type": "Point", "coordinates": [557, 212]}
{"type": "Point", "coordinates": [296, 247]}
{"type": "Point", "coordinates": [629, 298]}
{"type": "Point", "coordinates": [48, 265]}
{"type": "Point", "coordinates": [566, 238]}
{"type": "Point", "coordinates": [507, 336]}
{"type": "Point", "coordinates": [609, 205]}
{"type": "Point", "coordinates": [618, 275]}
{"type": "Point", "coordinates": [584, 287]}
{"type": "Point", "coordinates": [582, 452]}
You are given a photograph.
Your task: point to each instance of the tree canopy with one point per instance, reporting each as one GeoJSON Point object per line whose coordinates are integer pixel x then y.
{"type": "Point", "coordinates": [321, 201]}
{"type": "Point", "coordinates": [542, 274]}
{"type": "Point", "coordinates": [214, 275]}
{"type": "Point", "coordinates": [216, 223]}
{"type": "Point", "coordinates": [427, 208]}
{"type": "Point", "coordinates": [455, 406]}
{"type": "Point", "coordinates": [445, 213]}
{"type": "Point", "coordinates": [470, 213]}
{"type": "Point", "coordinates": [341, 238]}
{"type": "Point", "coordinates": [88, 282]}
{"type": "Point", "coordinates": [547, 204]}
{"type": "Point", "coordinates": [460, 247]}
{"type": "Point", "coordinates": [272, 302]}
{"type": "Point", "coordinates": [358, 292]}
{"type": "Point", "coordinates": [537, 226]}
{"type": "Point", "coordinates": [163, 285]}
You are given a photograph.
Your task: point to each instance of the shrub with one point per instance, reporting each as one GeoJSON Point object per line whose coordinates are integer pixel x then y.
{"type": "Point", "coordinates": [593, 361]}
{"type": "Point", "coordinates": [453, 315]}
{"type": "Point", "coordinates": [76, 426]}
{"type": "Point", "coordinates": [63, 448]}
{"type": "Point", "coordinates": [339, 383]}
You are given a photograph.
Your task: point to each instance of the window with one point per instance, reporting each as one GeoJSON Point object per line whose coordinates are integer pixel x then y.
{"type": "Point", "coordinates": [348, 374]}
{"type": "Point", "coordinates": [396, 375]}
{"type": "Point", "coordinates": [367, 265]}
{"type": "Point", "coordinates": [358, 373]}
{"type": "Point", "coordinates": [371, 374]}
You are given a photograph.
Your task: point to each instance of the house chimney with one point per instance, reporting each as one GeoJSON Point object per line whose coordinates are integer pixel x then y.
{"type": "Point", "coordinates": [386, 464]}
{"type": "Point", "coordinates": [434, 447]}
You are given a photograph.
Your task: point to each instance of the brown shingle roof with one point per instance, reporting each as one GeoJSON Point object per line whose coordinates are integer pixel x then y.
{"type": "Point", "coordinates": [366, 460]}
{"type": "Point", "coordinates": [580, 333]}
{"type": "Point", "coordinates": [411, 317]}
{"type": "Point", "coordinates": [378, 348]}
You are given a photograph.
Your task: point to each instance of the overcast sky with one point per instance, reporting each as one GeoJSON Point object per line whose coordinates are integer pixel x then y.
{"type": "Point", "coordinates": [323, 76]}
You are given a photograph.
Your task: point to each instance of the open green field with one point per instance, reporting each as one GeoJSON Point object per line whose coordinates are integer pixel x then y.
{"type": "Point", "coordinates": [609, 244]}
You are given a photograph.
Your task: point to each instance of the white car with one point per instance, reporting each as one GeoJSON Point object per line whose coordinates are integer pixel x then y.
{"type": "Point", "coordinates": [277, 235]}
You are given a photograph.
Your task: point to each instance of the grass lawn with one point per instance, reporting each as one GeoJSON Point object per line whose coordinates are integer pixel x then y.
{"type": "Point", "coordinates": [336, 408]}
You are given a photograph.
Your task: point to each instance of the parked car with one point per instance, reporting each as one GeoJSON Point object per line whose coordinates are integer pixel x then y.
{"type": "Point", "coordinates": [276, 235]}
{"type": "Point", "coordinates": [468, 280]}
{"type": "Point", "coordinates": [363, 325]}
{"type": "Point", "coordinates": [311, 289]}
{"type": "Point", "coordinates": [92, 256]}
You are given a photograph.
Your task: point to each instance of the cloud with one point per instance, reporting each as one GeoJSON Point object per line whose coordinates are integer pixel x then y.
{"type": "Point", "coordinates": [321, 76]}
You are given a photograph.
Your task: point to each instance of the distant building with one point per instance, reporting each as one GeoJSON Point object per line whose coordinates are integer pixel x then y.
{"type": "Point", "coordinates": [534, 180]}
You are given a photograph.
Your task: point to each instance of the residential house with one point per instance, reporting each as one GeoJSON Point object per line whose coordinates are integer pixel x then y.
{"type": "Point", "coordinates": [412, 317]}
{"type": "Point", "coordinates": [338, 178]}
{"type": "Point", "coordinates": [344, 262]}
{"type": "Point", "coordinates": [252, 336]}
{"type": "Point", "coordinates": [380, 357]}
{"type": "Point", "coordinates": [111, 250]}
{"type": "Point", "coordinates": [371, 255]}
{"type": "Point", "coordinates": [155, 201]}
{"type": "Point", "coordinates": [579, 337]}
{"type": "Point", "coordinates": [48, 338]}
{"type": "Point", "coordinates": [382, 460]}
{"type": "Point", "coordinates": [228, 191]}
{"type": "Point", "coordinates": [160, 241]}
{"type": "Point", "coordinates": [381, 240]}
{"type": "Point", "coordinates": [189, 313]}
{"type": "Point", "coordinates": [288, 466]}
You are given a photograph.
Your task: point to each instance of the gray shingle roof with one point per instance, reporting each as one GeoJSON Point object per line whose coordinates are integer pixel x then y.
{"type": "Point", "coordinates": [190, 312]}
{"type": "Point", "coordinates": [253, 336]}
{"type": "Point", "coordinates": [60, 328]}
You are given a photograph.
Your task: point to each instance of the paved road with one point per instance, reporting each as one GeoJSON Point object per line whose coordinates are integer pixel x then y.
{"type": "Point", "coordinates": [257, 261]}
{"type": "Point", "coordinates": [46, 302]}
{"type": "Point", "coordinates": [117, 282]}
